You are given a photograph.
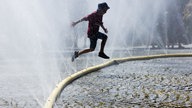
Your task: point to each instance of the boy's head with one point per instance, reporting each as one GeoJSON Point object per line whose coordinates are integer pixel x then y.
{"type": "Point", "coordinates": [103, 7]}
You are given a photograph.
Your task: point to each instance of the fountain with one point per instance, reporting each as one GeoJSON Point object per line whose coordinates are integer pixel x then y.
{"type": "Point", "coordinates": [36, 41]}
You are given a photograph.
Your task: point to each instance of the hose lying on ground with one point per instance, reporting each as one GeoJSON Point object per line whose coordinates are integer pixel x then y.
{"type": "Point", "coordinates": [58, 89]}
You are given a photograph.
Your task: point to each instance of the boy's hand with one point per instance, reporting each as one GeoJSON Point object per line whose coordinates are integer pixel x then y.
{"type": "Point", "coordinates": [73, 24]}
{"type": "Point", "coordinates": [105, 30]}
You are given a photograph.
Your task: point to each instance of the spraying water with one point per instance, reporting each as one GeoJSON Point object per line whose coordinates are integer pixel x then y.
{"type": "Point", "coordinates": [36, 39]}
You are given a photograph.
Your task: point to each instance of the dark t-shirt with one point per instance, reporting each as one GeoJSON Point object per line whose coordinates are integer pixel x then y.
{"type": "Point", "coordinates": [95, 20]}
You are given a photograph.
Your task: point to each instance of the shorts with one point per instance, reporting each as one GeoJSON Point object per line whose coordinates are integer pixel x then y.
{"type": "Point", "coordinates": [93, 39]}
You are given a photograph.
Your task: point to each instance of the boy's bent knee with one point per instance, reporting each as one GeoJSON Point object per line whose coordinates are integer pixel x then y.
{"type": "Point", "coordinates": [105, 37]}
{"type": "Point", "coordinates": [91, 49]}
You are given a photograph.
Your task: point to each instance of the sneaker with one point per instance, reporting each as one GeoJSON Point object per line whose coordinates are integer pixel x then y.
{"type": "Point", "coordinates": [75, 55]}
{"type": "Point", "coordinates": [103, 55]}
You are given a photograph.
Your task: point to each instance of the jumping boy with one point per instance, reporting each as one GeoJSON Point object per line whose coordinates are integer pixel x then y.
{"type": "Point", "coordinates": [95, 21]}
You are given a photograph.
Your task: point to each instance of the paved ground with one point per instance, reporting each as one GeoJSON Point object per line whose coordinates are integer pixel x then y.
{"type": "Point", "coordinates": [165, 82]}
{"type": "Point", "coordinates": [26, 83]}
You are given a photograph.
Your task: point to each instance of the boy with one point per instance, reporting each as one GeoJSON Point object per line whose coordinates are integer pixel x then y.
{"type": "Point", "coordinates": [95, 21]}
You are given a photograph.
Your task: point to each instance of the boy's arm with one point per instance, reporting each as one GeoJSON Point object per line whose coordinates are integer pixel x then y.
{"type": "Point", "coordinates": [105, 29]}
{"type": "Point", "coordinates": [76, 22]}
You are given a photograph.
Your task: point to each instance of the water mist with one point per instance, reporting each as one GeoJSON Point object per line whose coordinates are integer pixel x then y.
{"type": "Point", "coordinates": [36, 39]}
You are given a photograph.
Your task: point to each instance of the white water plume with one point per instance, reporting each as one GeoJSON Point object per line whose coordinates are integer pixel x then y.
{"type": "Point", "coordinates": [36, 37]}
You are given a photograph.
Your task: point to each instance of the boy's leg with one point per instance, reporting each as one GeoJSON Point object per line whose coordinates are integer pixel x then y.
{"type": "Point", "coordinates": [93, 42]}
{"type": "Point", "coordinates": [85, 51]}
{"type": "Point", "coordinates": [103, 44]}
{"type": "Point", "coordinates": [103, 37]}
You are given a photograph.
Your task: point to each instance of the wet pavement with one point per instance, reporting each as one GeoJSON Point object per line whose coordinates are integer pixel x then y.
{"type": "Point", "coordinates": [163, 82]}
{"type": "Point", "coordinates": [27, 83]}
